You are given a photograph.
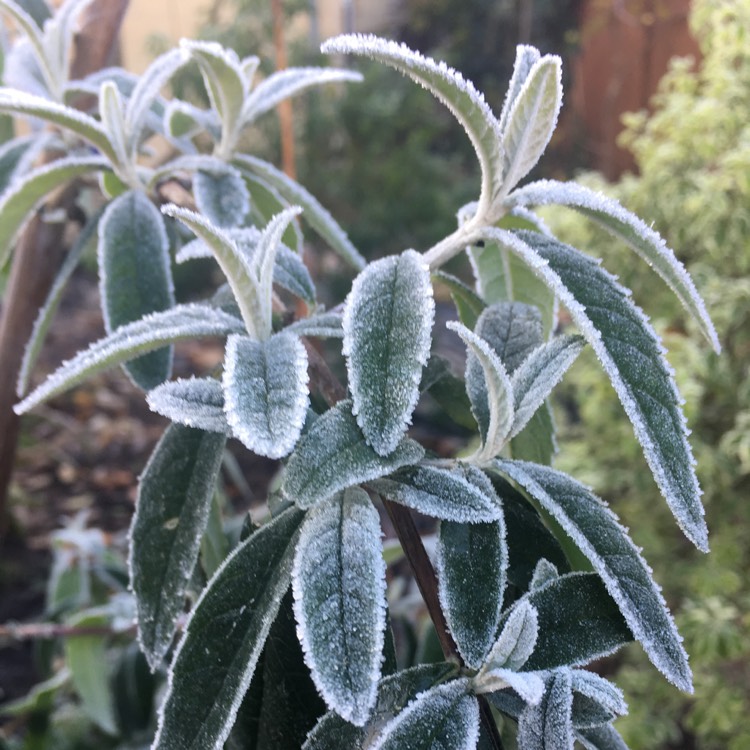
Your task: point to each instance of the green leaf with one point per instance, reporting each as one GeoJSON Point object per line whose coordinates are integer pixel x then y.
{"type": "Point", "coordinates": [472, 559]}
{"type": "Point", "coordinates": [448, 391]}
{"type": "Point", "coordinates": [221, 196]}
{"type": "Point", "coordinates": [601, 738]}
{"type": "Point", "coordinates": [469, 305]}
{"type": "Point", "coordinates": [395, 692]}
{"type": "Point", "coordinates": [596, 701]}
{"type": "Point", "coordinates": [265, 391]}
{"type": "Point", "coordinates": [620, 223]}
{"type": "Point", "coordinates": [633, 359]}
{"type": "Point", "coordinates": [489, 389]}
{"type": "Point", "coordinates": [388, 319]}
{"type": "Point", "coordinates": [18, 203]}
{"type": "Point", "coordinates": [197, 402]}
{"type": "Point", "coordinates": [513, 330]}
{"type": "Point", "coordinates": [40, 699]}
{"type": "Point", "coordinates": [84, 126]}
{"type": "Point", "coordinates": [12, 154]}
{"type": "Point", "coordinates": [549, 724]}
{"type": "Point", "coordinates": [464, 494]}
{"type": "Point", "coordinates": [111, 110]}
{"type": "Point", "coordinates": [463, 100]}
{"type": "Point", "coordinates": [539, 373]}
{"type": "Point", "coordinates": [334, 455]}
{"type": "Point", "coordinates": [578, 622]}
{"type": "Point", "coordinates": [526, 57]}
{"type": "Point", "coordinates": [224, 638]}
{"type": "Point", "coordinates": [598, 534]}
{"type": "Point", "coordinates": [536, 442]}
{"type": "Point", "coordinates": [86, 657]}
{"type": "Point", "coordinates": [174, 499]}
{"type": "Point", "coordinates": [323, 325]}
{"type": "Point", "coordinates": [214, 544]}
{"type": "Point", "coordinates": [135, 276]}
{"type": "Point", "coordinates": [48, 310]}
{"type": "Point", "coordinates": [133, 691]}
{"type": "Point", "coordinates": [445, 716]}
{"type": "Point", "coordinates": [339, 601]}
{"type": "Point", "coordinates": [145, 335]}
{"type": "Point", "coordinates": [317, 216]}
{"type": "Point", "coordinates": [516, 642]}
{"type": "Point", "coordinates": [531, 120]}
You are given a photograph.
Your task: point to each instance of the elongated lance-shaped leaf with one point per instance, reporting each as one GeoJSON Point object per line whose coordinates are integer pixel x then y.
{"type": "Point", "coordinates": [598, 534]}
{"type": "Point", "coordinates": [633, 359]}
{"type": "Point", "coordinates": [472, 561]}
{"type": "Point", "coordinates": [226, 85]}
{"type": "Point", "coordinates": [59, 33]}
{"type": "Point", "coordinates": [531, 120]}
{"type": "Point", "coordinates": [285, 83]}
{"type": "Point", "coordinates": [324, 325]}
{"type": "Point", "coordinates": [339, 601]}
{"type": "Point", "coordinates": [526, 57]}
{"type": "Point", "coordinates": [446, 716]}
{"type": "Point", "coordinates": [174, 498]}
{"type": "Point", "coordinates": [489, 390]}
{"type": "Point", "coordinates": [135, 276]}
{"type": "Point", "coordinates": [388, 319]}
{"type": "Point", "coordinates": [34, 34]}
{"type": "Point", "coordinates": [539, 373]}
{"type": "Point", "coordinates": [469, 305]}
{"type": "Point", "coordinates": [513, 330]}
{"type": "Point", "coordinates": [111, 108]}
{"type": "Point", "coordinates": [235, 265]}
{"type": "Point", "coordinates": [224, 637]}
{"type": "Point", "coordinates": [316, 216]}
{"type": "Point", "coordinates": [395, 692]}
{"type": "Point", "coordinates": [16, 156]}
{"type": "Point", "coordinates": [16, 102]}
{"type": "Point", "coordinates": [197, 402]}
{"type": "Point", "coordinates": [146, 92]}
{"type": "Point", "coordinates": [18, 202]}
{"type": "Point", "coordinates": [601, 738]}
{"type": "Point", "coordinates": [221, 196]}
{"type": "Point", "coordinates": [48, 310]}
{"type": "Point", "coordinates": [334, 455]}
{"type": "Point", "coordinates": [550, 723]}
{"type": "Point", "coordinates": [460, 96]}
{"type": "Point", "coordinates": [265, 392]}
{"type": "Point", "coordinates": [463, 495]}
{"type": "Point", "coordinates": [517, 640]}
{"type": "Point", "coordinates": [621, 223]}
{"type": "Point", "coordinates": [596, 701]}
{"type": "Point", "coordinates": [129, 341]}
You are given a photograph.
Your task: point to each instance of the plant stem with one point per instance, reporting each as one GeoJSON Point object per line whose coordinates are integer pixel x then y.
{"type": "Point", "coordinates": [452, 245]}
{"type": "Point", "coordinates": [49, 630]}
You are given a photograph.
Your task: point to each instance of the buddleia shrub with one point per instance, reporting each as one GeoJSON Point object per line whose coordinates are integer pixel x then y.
{"type": "Point", "coordinates": [533, 576]}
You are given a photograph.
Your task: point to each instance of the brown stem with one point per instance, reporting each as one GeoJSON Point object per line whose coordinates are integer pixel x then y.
{"type": "Point", "coordinates": [49, 630]}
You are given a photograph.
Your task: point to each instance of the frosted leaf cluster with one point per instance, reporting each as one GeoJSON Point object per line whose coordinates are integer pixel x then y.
{"type": "Point", "coordinates": [193, 402]}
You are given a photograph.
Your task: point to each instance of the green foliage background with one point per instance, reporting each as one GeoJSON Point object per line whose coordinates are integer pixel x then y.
{"type": "Point", "coordinates": [693, 182]}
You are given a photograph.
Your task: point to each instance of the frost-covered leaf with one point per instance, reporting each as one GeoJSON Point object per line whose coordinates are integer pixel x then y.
{"type": "Point", "coordinates": [48, 310]}
{"type": "Point", "coordinates": [469, 305]}
{"type": "Point", "coordinates": [517, 639]}
{"type": "Point", "coordinates": [544, 572]}
{"type": "Point", "coordinates": [395, 692]}
{"type": "Point", "coordinates": [578, 622]}
{"type": "Point", "coordinates": [619, 222]}
{"type": "Point", "coordinates": [293, 193]}
{"type": "Point", "coordinates": [265, 392]}
{"type": "Point", "coordinates": [526, 57]}
{"type": "Point", "coordinates": [448, 391]}
{"type": "Point", "coordinates": [339, 601]}
{"type": "Point", "coordinates": [221, 196]}
{"type": "Point", "coordinates": [489, 389]}
{"type": "Point", "coordinates": [596, 701]}
{"type": "Point", "coordinates": [472, 559]}
{"type": "Point", "coordinates": [633, 359]}
{"type": "Point", "coordinates": [539, 373]}
{"type": "Point", "coordinates": [536, 442]}
{"type": "Point", "coordinates": [19, 201]}
{"type": "Point", "coordinates": [463, 100]}
{"type": "Point", "coordinates": [135, 276]}
{"type": "Point", "coordinates": [285, 83]}
{"type": "Point", "coordinates": [323, 325]}
{"type": "Point", "coordinates": [388, 319]}
{"type": "Point", "coordinates": [549, 724]}
{"type": "Point", "coordinates": [601, 738]}
{"type": "Point", "coordinates": [224, 638]}
{"type": "Point", "coordinates": [127, 342]}
{"type": "Point", "coordinates": [334, 455]}
{"type": "Point", "coordinates": [441, 718]}
{"type": "Point", "coordinates": [513, 330]}
{"type": "Point", "coordinates": [184, 120]}
{"type": "Point", "coordinates": [59, 32]}
{"type": "Point", "coordinates": [112, 115]}
{"type": "Point", "coordinates": [528, 686]}
{"type": "Point", "coordinates": [531, 120]}
{"type": "Point", "coordinates": [463, 495]}
{"type": "Point", "coordinates": [598, 534]}
{"type": "Point", "coordinates": [174, 499]}
{"type": "Point", "coordinates": [17, 102]}
{"type": "Point", "coordinates": [265, 202]}
{"type": "Point", "coordinates": [14, 159]}
{"type": "Point", "coordinates": [197, 402]}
